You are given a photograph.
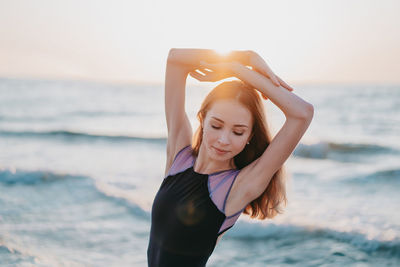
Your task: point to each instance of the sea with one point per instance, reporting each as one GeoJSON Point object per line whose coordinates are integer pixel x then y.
{"type": "Point", "coordinates": [81, 162]}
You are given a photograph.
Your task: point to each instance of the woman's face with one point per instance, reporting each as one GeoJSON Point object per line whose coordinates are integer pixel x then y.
{"type": "Point", "coordinates": [227, 127]}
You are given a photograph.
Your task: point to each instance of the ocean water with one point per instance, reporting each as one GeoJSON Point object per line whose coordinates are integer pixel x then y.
{"type": "Point", "coordinates": [80, 164]}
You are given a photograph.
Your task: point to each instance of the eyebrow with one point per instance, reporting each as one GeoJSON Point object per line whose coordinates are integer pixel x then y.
{"type": "Point", "coordinates": [236, 125]}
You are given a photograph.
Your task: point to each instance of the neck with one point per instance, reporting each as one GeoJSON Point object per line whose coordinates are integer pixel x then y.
{"type": "Point", "coordinates": [204, 164]}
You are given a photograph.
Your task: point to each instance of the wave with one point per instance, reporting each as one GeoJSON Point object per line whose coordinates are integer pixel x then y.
{"type": "Point", "coordinates": [12, 177]}
{"type": "Point", "coordinates": [28, 118]}
{"type": "Point", "coordinates": [342, 152]}
{"type": "Point", "coordinates": [337, 151]}
{"type": "Point", "coordinates": [76, 136]}
{"type": "Point", "coordinates": [123, 198]}
{"type": "Point", "coordinates": [12, 255]}
{"type": "Point", "coordinates": [83, 113]}
{"type": "Point", "coordinates": [101, 113]}
{"type": "Point", "coordinates": [390, 176]}
{"type": "Point", "coordinates": [248, 231]}
{"type": "Point", "coordinates": [84, 183]}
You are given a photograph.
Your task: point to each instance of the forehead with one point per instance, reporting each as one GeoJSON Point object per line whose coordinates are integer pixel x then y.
{"type": "Point", "coordinates": [230, 111]}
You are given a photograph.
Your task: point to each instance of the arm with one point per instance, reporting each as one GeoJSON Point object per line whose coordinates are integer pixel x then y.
{"type": "Point", "coordinates": [180, 62]}
{"type": "Point", "coordinates": [290, 104]}
{"type": "Point", "coordinates": [178, 125]}
{"type": "Point", "coordinates": [189, 58]}
{"type": "Point", "coordinates": [298, 114]}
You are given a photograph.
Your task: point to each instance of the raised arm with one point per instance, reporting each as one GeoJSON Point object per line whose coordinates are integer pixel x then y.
{"type": "Point", "coordinates": [189, 58]}
{"type": "Point", "coordinates": [179, 63]}
{"type": "Point", "coordinates": [298, 112]}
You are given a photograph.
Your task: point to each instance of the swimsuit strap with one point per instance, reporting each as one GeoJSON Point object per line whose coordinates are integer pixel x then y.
{"type": "Point", "coordinates": [220, 186]}
{"type": "Point", "coordinates": [182, 161]}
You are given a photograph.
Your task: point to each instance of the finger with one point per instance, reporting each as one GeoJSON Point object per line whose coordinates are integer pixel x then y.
{"type": "Point", "coordinates": [284, 84]}
{"type": "Point", "coordinates": [205, 71]}
{"type": "Point", "coordinates": [207, 77]}
{"type": "Point", "coordinates": [270, 74]}
{"type": "Point", "coordinates": [274, 80]}
{"type": "Point", "coordinates": [196, 75]}
{"type": "Point", "coordinates": [205, 64]}
{"type": "Point", "coordinates": [262, 72]}
{"type": "Point", "coordinates": [201, 71]}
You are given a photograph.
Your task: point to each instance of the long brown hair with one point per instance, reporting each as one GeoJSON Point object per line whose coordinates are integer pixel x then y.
{"type": "Point", "coordinates": [270, 202]}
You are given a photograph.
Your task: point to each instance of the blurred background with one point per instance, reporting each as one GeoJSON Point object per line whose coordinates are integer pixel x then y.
{"type": "Point", "coordinates": [83, 131]}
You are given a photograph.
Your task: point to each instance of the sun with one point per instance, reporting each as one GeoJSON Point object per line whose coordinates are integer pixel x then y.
{"type": "Point", "coordinates": [222, 51]}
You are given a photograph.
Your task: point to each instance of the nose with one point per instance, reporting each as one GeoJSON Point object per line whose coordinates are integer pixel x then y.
{"type": "Point", "coordinates": [223, 138]}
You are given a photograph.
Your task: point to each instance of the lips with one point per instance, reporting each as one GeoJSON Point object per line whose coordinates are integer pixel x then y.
{"type": "Point", "coordinates": [220, 150]}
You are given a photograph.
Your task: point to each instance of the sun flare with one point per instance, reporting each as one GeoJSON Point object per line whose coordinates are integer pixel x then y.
{"type": "Point", "coordinates": [222, 51]}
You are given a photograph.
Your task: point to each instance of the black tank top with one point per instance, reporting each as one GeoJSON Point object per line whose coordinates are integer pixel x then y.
{"type": "Point", "coordinates": [188, 214]}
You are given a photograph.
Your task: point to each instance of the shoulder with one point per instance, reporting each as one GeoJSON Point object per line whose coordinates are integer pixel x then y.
{"type": "Point", "coordinates": [182, 160]}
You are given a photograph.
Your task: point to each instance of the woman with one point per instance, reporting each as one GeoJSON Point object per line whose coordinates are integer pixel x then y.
{"type": "Point", "coordinates": [232, 166]}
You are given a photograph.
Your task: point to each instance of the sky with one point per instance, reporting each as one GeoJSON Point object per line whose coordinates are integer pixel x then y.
{"type": "Point", "coordinates": [308, 41]}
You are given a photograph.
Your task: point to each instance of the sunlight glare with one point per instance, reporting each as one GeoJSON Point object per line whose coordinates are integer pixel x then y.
{"type": "Point", "coordinates": [222, 51]}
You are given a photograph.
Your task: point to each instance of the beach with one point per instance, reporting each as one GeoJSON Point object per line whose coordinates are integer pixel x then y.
{"type": "Point", "coordinates": [81, 162]}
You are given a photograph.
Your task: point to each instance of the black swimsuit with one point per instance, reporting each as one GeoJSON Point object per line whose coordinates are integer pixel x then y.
{"type": "Point", "coordinates": [188, 214]}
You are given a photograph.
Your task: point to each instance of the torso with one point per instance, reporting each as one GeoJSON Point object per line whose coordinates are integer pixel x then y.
{"type": "Point", "coordinates": [236, 198]}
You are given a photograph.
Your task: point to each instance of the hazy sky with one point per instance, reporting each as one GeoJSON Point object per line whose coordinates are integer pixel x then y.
{"type": "Point", "coordinates": [341, 41]}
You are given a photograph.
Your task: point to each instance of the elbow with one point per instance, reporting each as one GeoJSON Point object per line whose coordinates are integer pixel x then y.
{"type": "Point", "coordinates": [308, 112]}
{"type": "Point", "coordinates": [171, 54]}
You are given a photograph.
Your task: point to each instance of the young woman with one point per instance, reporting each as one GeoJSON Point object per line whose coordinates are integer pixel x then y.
{"type": "Point", "coordinates": [233, 165]}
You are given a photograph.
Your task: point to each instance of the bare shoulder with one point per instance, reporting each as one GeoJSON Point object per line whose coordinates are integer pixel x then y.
{"type": "Point", "coordinates": [172, 153]}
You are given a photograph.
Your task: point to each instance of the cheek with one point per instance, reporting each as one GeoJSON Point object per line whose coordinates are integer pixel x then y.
{"type": "Point", "coordinates": [240, 142]}
{"type": "Point", "coordinates": [209, 135]}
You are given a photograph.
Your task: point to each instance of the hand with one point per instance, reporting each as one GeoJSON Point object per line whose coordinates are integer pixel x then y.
{"type": "Point", "coordinates": [213, 72]}
{"type": "Point", "coordinates": [258, 64]}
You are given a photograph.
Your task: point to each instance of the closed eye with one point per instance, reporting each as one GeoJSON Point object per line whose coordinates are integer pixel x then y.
{"type": "Point", "coordinates": [215, 127]}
